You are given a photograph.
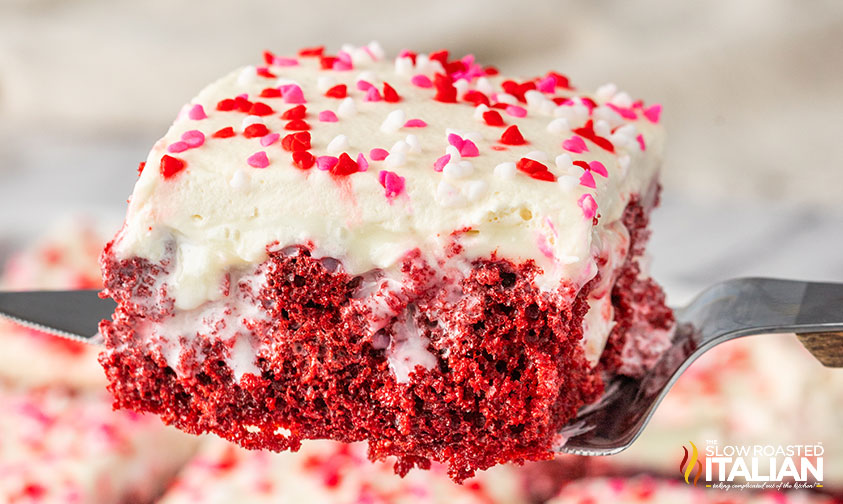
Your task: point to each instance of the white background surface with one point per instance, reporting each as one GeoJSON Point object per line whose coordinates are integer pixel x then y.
{"type": "Point", "coordinates": [753, 96]}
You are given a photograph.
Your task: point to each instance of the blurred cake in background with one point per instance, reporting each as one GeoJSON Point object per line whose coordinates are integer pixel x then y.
{"type": "Point", "coordinates": [329, 472]}
{"type": "Point", "coordinates": [646, 489]}
{"type": "Point", "coordinates": [66, 257]}
{"type": "Point", "coordinates": [59, 446]}
{"type": "Point", "coordinates": [764, 390]}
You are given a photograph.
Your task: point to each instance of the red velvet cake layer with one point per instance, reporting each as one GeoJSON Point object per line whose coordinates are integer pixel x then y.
{"type": "Point", "coordinates": [507, 370]}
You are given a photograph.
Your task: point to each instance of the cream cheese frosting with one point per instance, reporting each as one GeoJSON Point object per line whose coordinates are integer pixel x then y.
{"type": "Point", "coordinates": [447, 174]}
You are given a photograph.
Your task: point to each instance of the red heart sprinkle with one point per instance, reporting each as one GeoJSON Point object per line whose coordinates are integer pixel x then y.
{"type": "Point", "coordinates": [297, 125]}
{"type": "Point", "coordinates": [141, 166]}
{"type": "Point", "coordinates": [296, 142]}
{"type": "Point", "coordinates": [528, 165]}
{"type": "Point", "coordinates": [226, 105]}
{"type": "Point", "coordinates": [512, 136]}
{"type": "Point", "coordinates": [327, 62]}
{"type": "Point", "coordinates": [544, 175]}
{"type": "Point", "coordinates": [312, 51]}
{"type": "Point", "coordinates": [476, 97]}
{"type": "Point", "coordinates": [226, 132]}
{"type": "Point", "coordinates": [345, 166]}
{"type": "Point", "coordinates": [268, 57]}
{"type": "Point", "coordinates": [303, 160]}
{"type": "Point", "coordinates": [255, 130]}
{"type": "Point", "coordinates": [170, 166]}
{"type": "Point", "coordinates": [440, 56]}
{"type": "Point", "coordinates": [271, 92]}
{"type": "Point", "coordinates": [243, 105]}
{"type": "Point", "coordinates": [587, 132]}
{"type": "Point", "coordinates": [338, 91]}
{"type": "Point", "coordinates": [583, 165]}
{"type": "Point", "coordinates": [260, 109]}
{"type": "Point", "coordinates": [493, 118]}
{"type": "Point", "coordinates": [389, 94]}
{"type": "Point", "coordinates": [297, 112]}
{"type": "Point", "coordinates": [445, 90]}
{"type": "Point", "coordinates": [264, 72]}
{"type": "Point", "coordinates": [561, 80]}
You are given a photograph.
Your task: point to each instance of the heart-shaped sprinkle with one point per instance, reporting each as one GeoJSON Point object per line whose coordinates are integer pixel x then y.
{"type": "Point", "coordinates": [328, 116]}
{"type": "Point", "coordinates": [293, 94]}
{"type": "Point", "coordinates": [587, 180]}
{"type": "Point", "coordinates": [516, 111]}
{"type": "Point", "coordinates": [362, 163]}
{"type": "Point", "coordinates": [421, 81]}
{"type": "Point", "coordinates": [440, 163]}
{"type": "Point", "coordinates": [325, 163]}
{"type": "Point", "coordinates": [653, 113]}
{"type": "Point", "coordinates": [588, 206]}
{"type": "Point", "coordinates": [193, 138]}
{"type": "Point", "coordinates": [415, 123]}
{"type": "Point", "coordinates": [598, 168]}
{"type": "Point", "coordinates": [378, 154]}
{"type": "Point", "coordinates": [170, 166]}
{"type": "Point", "coordinates": [303, 160]}
{"type": "Point", "coordinates": [258, 160]}
{"type": "Point", "coordinates": [177, 147]}
{"type": "Point", "coordinates": [372, 95]}
{"type": "Point", "coordinates": [392, 182]}
{"type": "Point", "coordinates": [269, 139]}
{"type": "Point", "coordinates": [197, 113]}
{"type": "Point", "coordinates": [575, 144]}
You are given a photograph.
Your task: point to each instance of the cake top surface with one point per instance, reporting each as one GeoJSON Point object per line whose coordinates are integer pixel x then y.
{"type": "Point", "coordinates": [366, 159]}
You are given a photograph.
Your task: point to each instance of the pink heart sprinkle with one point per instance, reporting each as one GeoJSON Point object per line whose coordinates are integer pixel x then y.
{"type": "Point", "coordinates": [364, 85]}
{"type": "Point", "coordinates": [575, 144]}
{"type": "Point", "coordinates": [197, 113]}
{"type": "Point", "coordinates": [293, 94]}
{"type": "Point", "coordinates": [469, 149]}
{"type": "Point", "coordinates": [193, 138]}
{"type": "Point", "coordinates": [344, 57]}
{"type": "Point", "coordinates": [440, 163]}
{"type": "Point", "coordinates": [547, 85]}
{"type": "Point", "coordinates": [328, 116]}
{"type": "Point", "coordinates": [362, 164]}
{"type": "Point", "coordinates": [516, 111]}
{"type": "Point", "coordinates": [415, 123]}
{"type": "Point", "coordinates": [392, 182]}
{"type": "Point", "coordinates": [378, 154]}
{"type": "Point", "coordinates": [285, 62]}
{"type": "Point", "coordinates": [258, 160]}
{"type": "Point", "coordinates": [653, 113]}
{"type": "Point", "coordinates": [421, 81]}
{"type": "Point", "coordinates": [269, 139]}
{"type": "Point", "coordinates": [456, 140]}
{"type": "Point", "coordinates": [640, 139]}
{"type": "Point", "coordinates": [373, 95]}
{"type": "Point", "coordinates": [177, 147]}
{"type": "Point", "coordinates": [341, 66]}
{"type": "Point", "coordinates": [598, 168]}
{"type": "Point", "coordinates": [588, 206]}
{"type": "Point", "coordinates": [626, 113]}
{"type": "Point", "coordinates": [325, 163]}
{"type": "Point", "coordinates": [587, 180]}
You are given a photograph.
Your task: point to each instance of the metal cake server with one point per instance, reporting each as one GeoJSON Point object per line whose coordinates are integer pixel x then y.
{"type": "Point", "coordinates": [725, 311]}
{"type": "Point", "coordinates": [73, 315]}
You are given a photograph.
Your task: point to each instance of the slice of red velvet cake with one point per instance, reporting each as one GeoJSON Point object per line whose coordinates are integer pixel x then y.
{"type": "Point", "coordinates": [419, 253]}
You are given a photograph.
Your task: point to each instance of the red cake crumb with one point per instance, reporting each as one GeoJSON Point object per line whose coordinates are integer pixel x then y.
{"type": "Point", "coordinates": [509, 368]}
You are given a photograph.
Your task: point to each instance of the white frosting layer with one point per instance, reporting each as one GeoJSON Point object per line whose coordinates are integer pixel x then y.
{"type": "Point", "coordinates": [220, 213]}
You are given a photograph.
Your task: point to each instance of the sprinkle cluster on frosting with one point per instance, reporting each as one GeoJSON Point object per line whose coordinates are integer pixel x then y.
{"type": "Point", "coordinates": [603, 121]}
